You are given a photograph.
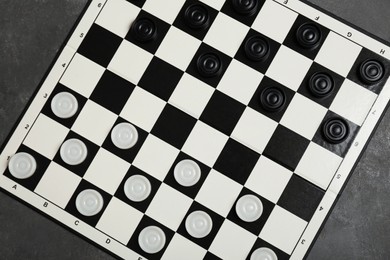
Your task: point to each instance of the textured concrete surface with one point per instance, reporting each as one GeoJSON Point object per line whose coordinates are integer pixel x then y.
{"type": "Point", "coordinates": [31, 33]}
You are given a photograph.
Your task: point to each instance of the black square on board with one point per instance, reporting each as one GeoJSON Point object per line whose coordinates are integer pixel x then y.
{"type": "Point", "coordinates": [42, 165]}
{"type": "Point", "coordinates": [160, 78]}
{"type": "Point", "coordinates": [222, 112]}
{"type": "Point", "coordinates": [67, 122]}
{"type": "Point", "coordinates": [261, 243]}
{"type": "Point", "coordinates": [138, 3]}
{"type": "Point", "coordinates": [286, 147]}
{"type": "Point", "coordinates": [356, 76]}
{"type": "Point", "coordinates": [261, 91]}
{"type": "Point", "coordinates": [173, 126]}
{"type": "Point", "coordinates": [316, 72]}
{"type": "Point", "coordinates": [112, 92]}
{"type": "Point", "coordinates": [147, 222]}
{"type": "Point", "coordinates": [157, 28]}
{"type": "Point", "coordinates": [203, 51]}
{"type": "Point", "coordinates": [217, 220]}
{"type": "Point", "coordinates": [79, 169]}
{"type": "Point", "coordinates": [211, 256]}
{"type": "Point", "coordinates": [236, 161]}
{"type": "Point", "coordinates": [100, 45]}
{"type": "Point", "coordinates": [305, 27]}
{"type": "Point", "coordinates": [254, 227]}
{"type": "Point", "coordinates": [191, 191]}
{"type": "Point", "coordinates": [237, 10]}
{"type": "Point", "coordinates": [200, 31]}
{"type": "Point", "coordinates": [141, 205]}
{"type": "Point", "coordinates": [258, 64]}
{"type": "Point", "coordinates": [301, 197]}
{"type": "Point", "coordinates": [126, 154]}
{"type": "Point", "coordinates": [72, 209]}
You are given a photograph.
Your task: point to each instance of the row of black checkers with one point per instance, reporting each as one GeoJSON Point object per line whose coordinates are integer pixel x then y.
{"type": "Point", "coordinates": [309, 36]}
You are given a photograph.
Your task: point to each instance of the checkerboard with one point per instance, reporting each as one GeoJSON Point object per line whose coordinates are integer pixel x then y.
{"type": "Point", "coordinates": [268, 102]}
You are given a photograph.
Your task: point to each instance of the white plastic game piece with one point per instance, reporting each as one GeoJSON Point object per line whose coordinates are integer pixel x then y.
{"type": "Point", "coordinates": [151, 239]}
{"type": "Point", "coordinates": [187, 173]}
{"type": "Point", "coordinates": [199, 224]}
{"type": "Point", "coordinates": [263, 253]}
{"type": "Point", "coordinates": [137, 188]}
{"type": "Point", "coordinates": [73, 152]}
{"type": "Point", "coordinates": [89, 202]}
{"type": "Point", "coordinates": [22, 165]}
{"type": "Point", "coordinates": [249, 208]}
{"type": "Point", "coordinates": [124, 136]}
{"type": "Point", "coordinates": [64, 105]}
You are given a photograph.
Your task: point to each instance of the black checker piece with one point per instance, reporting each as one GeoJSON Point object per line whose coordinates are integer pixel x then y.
{"type": "Point", "coordinates": [244, 11]}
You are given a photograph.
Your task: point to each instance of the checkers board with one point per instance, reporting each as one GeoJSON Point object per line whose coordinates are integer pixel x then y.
{"type": "Point", "coordinates": [199, 130]}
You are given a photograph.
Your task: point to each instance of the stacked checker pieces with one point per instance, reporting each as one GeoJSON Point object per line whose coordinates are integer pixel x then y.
{"type": "Point", "coordinates": [216, 156]}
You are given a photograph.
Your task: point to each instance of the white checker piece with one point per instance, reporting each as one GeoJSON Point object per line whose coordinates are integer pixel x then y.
{"type": "Point", "coordinates": [165, 10]}
{"type": "Point", "coordinates": [182, 248]}
{"type": "Point", "coordinates": [334, 47]}
{"type": "Point", "coordinates": [318, 165]}
{"type": "Point", "coordinates": [82, 75]}
{"type": "Point", "coordinates": [124, 14]}
{"type": "Point", "coordinates": [283, 229]}
{"type": "Point", "coordinates": [191, 95]}
{"type": "Point", "coordinates": [94, 122]}
{"type": "Point", "coordinates": [46, 136]}
{"type": "Point", "coordinates": [289, 68]}
{"type": "Point", "coordinates": [218, 193]}
{"type": "Point", "coordinates": [226, 34]}
{"type": "Point", "coordinates": [274, 21]}
{"type": "Point", "coordinates": [58, 185]}
{"type": "Point", "coordinates": [240, 82]}
{"type": "Point", "coordinates": [303, 116]}
{"type": "Point", "coordinates": [107, 171]}
{"type": "Point", "coordinates": [353, 102]}
{"type": "Point", "coordinates": [178, 48]}
{"type": "Point", "coordinates": [119, 220]}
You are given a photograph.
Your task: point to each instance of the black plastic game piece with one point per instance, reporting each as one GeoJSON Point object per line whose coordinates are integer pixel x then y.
{"type": "Point", "coordinates": [309, 36]}
{"type": "Point", "coordinates": [209, 65]}
{"type": "Point", "coordinates": [245, 7]}
{"type": "Point", "coordinates": [144, 30]}
{"type": "Point", "coordinates": [321, 84]}
{"type": "Point", "coordinates": [272, 99]}
{"type": "Point", "coordinates": [371, 71]}
{"type": "Point", "coordinates": [197, 17]}
{"type": "Point", "coordinates": [335, 130]}
{"type": "Point", "coordinates": [256, 48]}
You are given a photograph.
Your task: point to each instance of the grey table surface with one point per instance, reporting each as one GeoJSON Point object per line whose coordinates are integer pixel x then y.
{"type": "Point", "coordinates": [31, 32]}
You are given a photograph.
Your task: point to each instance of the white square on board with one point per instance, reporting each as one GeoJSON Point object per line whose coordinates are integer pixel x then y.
{"type": "Point", "coordinates": [303, 116]}
{"type": "Point", "coordinates": [216, 4]}
{"type": "Point", "coordinates": [169, 207]}
{"type": "Point", "coordinates": [191, 95]}
{"type": "Point", "coordinates": [205, 143]}
{"type": "Point", "coordinates": [338, 54]}
{"type": "Point", "coordinates": [143, 109]}
{"type": "Point", "coordinates": [240, 82]}
{"type": "Point", "coordinates": [274, 21]}
{"type": "Point", "coordinates": [107, 171]}
{"type": "Point", "coordinates": [94, 122]}
{"type": "Point", "coordinates": [82, 75]}
{"type": "Point", "coordinates": [46, 136]}
{"type": "Point", "coordinates": [218, 193]}
{"type": "Point", "coordinates": [268, 179]}
{"type": "Point", "coordinates": [117, 16]}
{"type": "Point", "coordinates": [353, 102]}
{"type": "Point", "coordinates": [123, 63]}
{"type": "Point", "coordinates": [289, 68]}
{"type": "Point", "coordinates": [318, 165]}
{"type": "Point", "coordinates": [156, 157]}
{"type": "Point", "coordinates": [165, 10]}
{"type": "Point", "coordinates": [225, 243]}
{"type": "Point", "coordinates": [119, 220]}
{"type": "Point", "coordinates": [254, 130]}
{"type": "Point", "coordinates": [58, 185]}
{"type": "Point", "coordinates": [283, 229]}
{"type": "Point", "coordinates": [179, 248]}
{"type": "Point", "coordinates": [178, 48]}
{"type": "Point", "coordinates": [226, 34]}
